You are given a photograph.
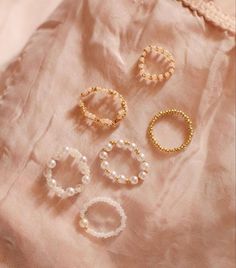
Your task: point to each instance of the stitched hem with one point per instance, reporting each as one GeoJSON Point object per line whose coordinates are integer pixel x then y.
{"type": "Point", "coordinates": [211, 13]}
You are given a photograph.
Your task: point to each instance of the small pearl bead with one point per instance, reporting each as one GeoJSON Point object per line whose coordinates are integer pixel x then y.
{"type": "Point", "coordinates": [86, 179]}
{"type": "Point", "coordinates": [83, 159]}
{"type": "Point", "coordinates": [83, 223]}
{"type": "Point", "coordinates": [66, 149]}
{"type": "Point", "coordinates": [104, 165]}
{"type": "Point", "coordinates": [103, 155]}
{"type": "Point", "coordinates": [132, 147]}
{"type": "Point", "coordinates": [113, 175]}
{"type": "Point", "coordinates": [134, 179]}
{"type": "Point", "coordinates": [140, 157]}
{"type": "Point", "coordinates": [51, 182]}
{"type": "Point", "coordinates": [70, 191]}
{"type": "Point", "coordinates": [142, 175]}
{"type": "Point", "coordinates": [145, 166]}
{"type": "Point", "coordinates": [120, 143]}
{"type": "Point", "coordinates": [108, 147]}
{"type": "Point", "coordinates": [52, 163]}
{"type": "Point", "coordinates": [122, 179]}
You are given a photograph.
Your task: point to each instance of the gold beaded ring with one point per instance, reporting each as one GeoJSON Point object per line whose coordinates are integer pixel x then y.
{"type": "Point", "coordinates": [161, 76]}
{"type": "Point", "coordinates": [166, 113]}
{"type": "Point", "coordinates": [103, 121]}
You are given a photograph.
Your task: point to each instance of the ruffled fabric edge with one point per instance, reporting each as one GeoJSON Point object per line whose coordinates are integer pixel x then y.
{"type": "Point", "coordinates": [211, 13]}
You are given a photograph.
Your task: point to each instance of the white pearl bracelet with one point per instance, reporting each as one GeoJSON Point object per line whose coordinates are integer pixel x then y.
{"type": "Point", "coordinates": [85, 224]}
{"type": "Point", "coordinates": [136, 154]}
{"type": "Point", "coordinates": [82, 165]}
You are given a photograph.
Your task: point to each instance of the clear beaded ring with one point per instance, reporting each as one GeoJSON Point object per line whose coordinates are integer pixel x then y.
{"type": "Point", "coordinates": [85, 224]}
{"type": "Point", "coordinates": [158, 77]}
{"type": "Point", "coordinates": [106, 122]}
{"type": "Point", "coordinates": [135, 153]}
{"type": "Point", "coordinates": [82, 165]}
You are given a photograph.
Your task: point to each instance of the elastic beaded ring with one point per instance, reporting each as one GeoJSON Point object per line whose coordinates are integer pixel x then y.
{"type": "Point", "coordinates": [161, 76]}
{"type": "Point", "coordinates": [103, 121]}
{"type": "Point", "coordinates": [82, 165]}
{"type": "Point", "coordinates": [85, 224]}
{"type": "Point", "coordinates": [126, 145]}
{"type": "Point", "coordinates": [166, 113]}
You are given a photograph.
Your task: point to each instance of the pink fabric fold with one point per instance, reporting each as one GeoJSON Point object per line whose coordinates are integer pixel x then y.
{"type": "Point", "coordinates": [183, 215]}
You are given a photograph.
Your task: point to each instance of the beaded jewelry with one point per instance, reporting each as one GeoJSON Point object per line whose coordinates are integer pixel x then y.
{"type": "Point", "coordinates": [85, 224]}
{"type": "Point", "coordinates": [103, 121]}
{"type": "Point", "coordinates": [135, 152]}
{"type": "Point", "coordinates": [161, 76]}
{"type": "Point", "coordinates": [170, 113]}
{"type": "Point", "coordinates": [82, 165]}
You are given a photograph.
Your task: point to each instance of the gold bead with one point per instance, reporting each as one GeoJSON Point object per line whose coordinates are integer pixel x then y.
{"type": "Point", "coordinates": [167, 74]}
{"type": "Point", "coordinates": [160, 77]}
{"type": "Point", "coordinates": [141, 59]}
{"type": "Point", "coordinates": [171, 70]}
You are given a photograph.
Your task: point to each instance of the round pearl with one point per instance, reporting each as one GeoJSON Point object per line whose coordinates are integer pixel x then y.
{"type": "Point", "coordinates": [52, 163]}
{"type": "Point", "coordinates": [85, 179]}
{"type": "Point", "coordinates": [104, 165]}
{"type": "Point", "coordinates": [83, 159]}
{"type": "Point", "coordinates": [113, 175]}
{"type": "Point", "coordinates": [70, 191]}
{"type": "Point", "coordinates": [132, 146]}
{"type": "Point", "coordinates": [140, 157]}
{"type": "Point", "coordinates": [145, 166]}
{"type": "Point", "coordinates": [142, 175]}
{"type": "Point", "coordinates": [122, 179]}
{"type": "Point", "coordinates": [103, 155]}
{"type": "Point", "coordinates": [66, 149]}
{"type": "Point", "coordinates": [83, 223]}
{"type": "Point", "coordinates": [51, 183]}
{"type": "Point", "coordinates": [108, 147]}
{"type": "Point", "coordinates": [134, 179]}
{"type": "Point", "coordinates": [120, 143]}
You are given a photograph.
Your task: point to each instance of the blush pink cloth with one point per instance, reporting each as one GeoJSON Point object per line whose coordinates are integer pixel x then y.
{"type": "Point", "coordinates": [183, 215]}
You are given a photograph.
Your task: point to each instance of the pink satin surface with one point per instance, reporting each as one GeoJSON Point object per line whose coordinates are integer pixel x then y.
{"type": "Point", "coordinates": [183, 215]}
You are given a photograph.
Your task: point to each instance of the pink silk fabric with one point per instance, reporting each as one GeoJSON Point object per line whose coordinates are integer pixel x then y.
{"type": "Point", "coordinates": [183, 215]}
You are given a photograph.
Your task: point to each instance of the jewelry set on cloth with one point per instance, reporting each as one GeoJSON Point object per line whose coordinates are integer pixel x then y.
{"type": "Point", "coordinates": [112, 175]}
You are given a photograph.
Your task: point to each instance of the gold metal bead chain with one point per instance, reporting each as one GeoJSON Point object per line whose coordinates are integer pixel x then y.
{"type": "Point", "coordinates": [167, 113]}
{"type": "Point", "coordinates": [161, 76]}
{"type": "Point", "coordinates": [103, 121]}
